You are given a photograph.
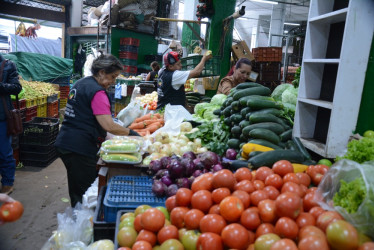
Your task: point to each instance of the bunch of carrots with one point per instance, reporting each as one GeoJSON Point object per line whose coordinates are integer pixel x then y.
{"type": "Point", "coordinates": [147, 124]}
{"type": "Point", "coordinates": [151, 105]}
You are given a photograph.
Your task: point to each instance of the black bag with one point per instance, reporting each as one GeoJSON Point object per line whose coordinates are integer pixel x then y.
{"type": "Point", "coordinates": [13, 117]}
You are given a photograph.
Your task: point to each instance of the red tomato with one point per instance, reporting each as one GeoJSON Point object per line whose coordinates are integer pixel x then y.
{"type": "Point", "coordinates": [152, 219]}
{"type": "Point", "coordinates": [259, 185]}
{"type": "Point", "coordinates": [212, 223]}
{"type": "Point", "coordinates": [224, 178]}
{"type": "Point", "coordinates": [171, 203]}
{"type": "Point", "coordinates": [250, 219]}
{"type": "Point", "coordinates": [214, 209]}
{"type": "Point", "coordinates": [258, 196]}
{"type": "Point", "coordinates": [316, 211]}
{"type": "Point", "coordinates": [288, 205]}
{"type": "Point", "coordinates": [166, 233]}
{"type": "Point", "coordinates": [219, 194]}
{"type": "Point", "coordinates": [367, 246]}
{"type": "Point", "coordinates": [252, 237]}
{"type": "Point", "coordinates": [311, 190]}
{"type": "Point", "coordinates": [264, 228]}
{"type": "Point", "coordinates": [313, 242]}
{"type": "Point", "coordinates": [148, 236]}
{"type": "Point", "coordinates": [304, 190]}
{"type": "Point", "coordinates": [262, 173]}
{"type": "Point", "coordinates": [309, 201]}
{"type": "Point", "coordinates": [209, 241]}
{"type": "Point", "coordinates": [286, 228]}
{"type": "Point", "coordinates": [243, 196]}
{"type": "Point", "coordinates": [202, 200]}
{"type": "Point", "coordinates": [243, 174]}
{"type": "Point", "coordinates": [311, 230]}
{"type": "Point", "coordinates": [342, 235]}
{"type": "Point", "coordinates": [183, 197]}
{"type": "Point", "coordinates": [272, 192]}
{"type": "Point", "coordinates": [284, 244]}
{"type": "Point", "coordinates": [305, 219]}
{"type": "Point", "coordinates": [177, 216]}
{"type": "Point", "coordinates": [235, 236]}
{"type": "Point", "coordinates": [304, 179]}
{"type": "Point", "coordinates": [203, 182]}
{"type": "Point", "coordinates": [267, 210]}
{"type": "Point", "coordinates": [246, 186]}
{"type": "Point", "coordinates": [137, 225]}
{"type": "Point", "coordinates": [141, 245]}
{"type": "Point", "coordinates": [192, 219]}
{"type": "Point", "coordinates": [291, 177]}
{"type": "Point", "coordinates": [326, 218]}
{"type": "Point", "coordinates": [316, 173]}
{"type": "Point", "coordinates": [11, 211]}
{"type": "Point", "coordinates": [231, 208]}
{"type": "Point", "coordinates": [292, 188]}
{"type": "Point", "coordinates": [282, 167]}
{"type": "Point", "coordinates": [274, 180]}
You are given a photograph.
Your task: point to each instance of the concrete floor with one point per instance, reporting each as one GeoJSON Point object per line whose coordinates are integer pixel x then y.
{"type": "Point", "coordinates": [40, 190]}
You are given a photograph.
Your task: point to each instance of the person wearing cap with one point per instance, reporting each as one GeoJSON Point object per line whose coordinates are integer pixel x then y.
{"type": "Point", "coordinates": [171, 79]}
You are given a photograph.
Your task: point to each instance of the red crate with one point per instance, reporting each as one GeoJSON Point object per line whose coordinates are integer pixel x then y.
{"type": "Point", "coordinates": [267, 54]}
{"type": "Point", "coordinates": [130, 69]}
{"type": "Point", "coordinates": [21, 103]}
{"type": "Point", "coordinates": [128, 55]}
{"type": "Point", "coordinates": [129, 41]}
{"type": "Point", "coordinates": [64, 91]}
{"type": "Point", "coordinates": [31, 112]}
{"type": "Point", "coordinates": [52, 109]}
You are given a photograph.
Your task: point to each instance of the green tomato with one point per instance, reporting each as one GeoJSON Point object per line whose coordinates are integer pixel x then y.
{"type": "Point", "coordinates": [342, 235]}
{"type": "Point", "coordinates": [369, 134]}
{"type": "Point", "coordinates": [171, 244]}
{"type": "Point", "coordinates": [189, 239]}
{"type": "Point", "coordinates": [265, 241]}
{"type": "Point", "coordinates": [325, 162]}
{"type": "Point", "coordinates": [127, 222]}
{"type": "Point", "coordinates": [126, 236]}
{"type": "Point", "coordinates": [181, 232]}
{"type": "Point", "coordinates": [164, 211]}
{"type": "Point", "coordinates": [141, 209]}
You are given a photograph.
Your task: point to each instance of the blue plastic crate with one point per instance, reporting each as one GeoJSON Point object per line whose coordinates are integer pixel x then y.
{"type": "Point", "coordinates": [129, 192]}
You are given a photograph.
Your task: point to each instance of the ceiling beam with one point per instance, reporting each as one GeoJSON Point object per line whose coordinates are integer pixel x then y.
{"type": "Point", "coordinates": [31, 12]}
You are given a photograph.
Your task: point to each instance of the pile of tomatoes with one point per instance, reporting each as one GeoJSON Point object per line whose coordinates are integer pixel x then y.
{"type": "Point", "coordinates": [271, 208]}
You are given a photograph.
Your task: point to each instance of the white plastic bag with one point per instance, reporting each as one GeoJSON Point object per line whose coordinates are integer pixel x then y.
{"type": "Point", "coordinates": [348, 171]}
{"type": "Point", "coordinates": [130, 113]}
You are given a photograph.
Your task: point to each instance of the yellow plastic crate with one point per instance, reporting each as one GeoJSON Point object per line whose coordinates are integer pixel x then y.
{"type": "Point", "coordinates": [31, 102]}
{"type": "Point", "coordinates": [63, 103]}
{"type": "Point", "coordinates": [42, 110]}
{"type": "Point", "coordinates": [42, 99]}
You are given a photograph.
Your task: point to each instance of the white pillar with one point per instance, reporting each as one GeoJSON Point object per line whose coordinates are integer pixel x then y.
{"type": "Point", "coordinates": [190, 9]}
{"type": "Point", "coordinates": [76, 13]}
{"type": "Point", "coordinates": [276, 25]}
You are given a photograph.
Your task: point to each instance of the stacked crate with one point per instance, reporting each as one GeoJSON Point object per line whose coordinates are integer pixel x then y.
{"type": "Point", "coordinates": [64, 94]}
{"type": "Point", "coordinates": [31, 109]}
{"type": "Point", "coordinates": [37, 141]}
{"type": "Point", "coordinates": [52, 105]}
{"type": "Point", "coordinates": [42, 106]}
{"type": "Point", "coordinates": [128, 55]}
{"type": "Point", "coordinates": [22, 108]}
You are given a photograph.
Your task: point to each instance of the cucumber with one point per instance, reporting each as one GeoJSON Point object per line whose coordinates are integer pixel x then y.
{"type": "Point", "coordinates": [248, 115]}
{"type": "Point", "coordinates": [229, 100]}
{"type": "Point", "coordinates": [233, 143]}
{"type": "Point", "coordinates": [282, 144]}
{"type": "Point", "coordinates": [291, 145]}
{"type": "Point", "coordinates": [243, 139]}
{"type": "Point", "coordinates": [217, 112]}
{"type": "Point", "coordinates": [232, 92]}
{"type": "Point", "coordinates": [245, 85]}
{"type": "Point", "coordinates": [286, 135]}
{"type": "Point", "coordinates": [309, 162]}
{"type": "Point", "coordinates": [244, 123]}
{"type": "Point", "coordinates": [263, 104]}
{"type": "Point", "coordinates": [263, 133]}
{"type": "Point", "coordinates": [284, 124]}
{"type": "Point", "coordinates": [236, 130]}
{"type": "Point", "coordinates": [193, 101]}
{"type": "Point", "coordinates": [227, 121]}
{"type": "Point", "coordinates": [235, 105]}
{"type": "Point", "coordinates": [194, 94]}
{"type": "Point", "coordinates": [258, 117]}
{"type": "Point", "coordinates": [245, 111]}
{"type": "Point", "coordinates": [227, 111]}
{"type": "Point", "coordinates": [273, 111]}
{"type": "Point", "coordinates": [275, 127]}
{"type": "Point", "coordinates": [270, 157]}
{"type": "Point", "coordinates": [264, 143]}
{"type": "Point", "coordinates": [236, 164]}
{"type": "Point", "coordinates": [236, 118]}
{"type": "Point", "coordinates": [301, 148]}
{"type": "Point", "coordinates": [254, 153]}
{"type": "Point", "coordinates": [251, 91]}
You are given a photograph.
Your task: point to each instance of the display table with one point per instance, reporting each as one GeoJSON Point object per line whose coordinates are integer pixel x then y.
{"type": "Point", "coordinates": [108, 170]}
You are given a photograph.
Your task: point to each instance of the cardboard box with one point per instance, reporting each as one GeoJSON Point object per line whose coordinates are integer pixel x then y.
{"type": "Point", "coordinates": [241, 50]}
{"type": "Point", "coordinates": [210, 83]}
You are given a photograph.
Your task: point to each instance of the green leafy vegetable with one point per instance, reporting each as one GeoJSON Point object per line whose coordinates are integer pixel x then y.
{"type": "Point", "coordinates": [350, 195]}
{"type": "Point", "coordinates": [218, 99]}
{"type": "Point", "coordinates": [200, 108]}
{"type": "Point", "coordinates": [359, 150]}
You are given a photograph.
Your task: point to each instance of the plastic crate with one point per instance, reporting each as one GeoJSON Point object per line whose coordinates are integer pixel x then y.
{"type": "Point", "coordinates": [15, 142]}
{"type": "Point", "coordinates": [129, 192]}
{"type": "Point", "coordinates": [39, 139]}
{"type": "Point", "coordinates": [212, 67]}
{"type": "Point", "coordinates": [42, 110]}
{"type": "Point", "coordinates": [37, 152]}
{"type": "Point", "coordinates": [129, 62]}
{"type": "Point", "coordinates": [128, 55]}
{"type": "Point", "coordinates": [130, 69]}
{"type": "Point", "coordinates": [52, 109]}
{"type": "Point", "coordinates": [31, 112]}
{"type": "Point", "coordinates": [267, 54]}
{"type": "Point", "coordinates": [21, 104]}
{"type": "Point", "coordinates": [38, 159]}
{"type": "Point", "coordinates": [64, 91]}
{"type": "Point", "coordinates": [23, 114]}
{"type": "Point", "coordinates": [40, 125]}
{"type": "Point", "coordinates": [129, 41]}
{"type": "Point", "coordinates": [63, 102]}
{"type": "Point", "coordinates": [268, 71]}
{"type": "Point", "coordinates": [41, 100]}
{"type": "Point", "coordinates": [31, 102]}
{"type": "Point", "coordinates": [128, 48]}
{"type": "Point", "coordinates": [52, 98]}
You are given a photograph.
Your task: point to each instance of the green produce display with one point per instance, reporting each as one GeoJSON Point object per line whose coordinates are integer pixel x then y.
{"type": "Point", "coordinates": [359, 150]}
{"type": "Point", "coordinates": [350, 195]}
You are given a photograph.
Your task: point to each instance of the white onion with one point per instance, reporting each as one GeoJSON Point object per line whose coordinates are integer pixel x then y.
{"type": "Point", "coordinates": [201, 150]}
{"type": "Point", "coordinates": [186, 127]}
{"type": "Point", "coordinates": [197, 141]}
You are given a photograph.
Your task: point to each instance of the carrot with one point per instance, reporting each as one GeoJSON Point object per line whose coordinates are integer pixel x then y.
{"type": "Point", "coordinates": [148, 122]}
{"type": "Point", "coordinates": [137, 125]}
{"type": "Point", "coordinates": [144, 117]}
{"type": "Point", "coordinates": [153, 127]}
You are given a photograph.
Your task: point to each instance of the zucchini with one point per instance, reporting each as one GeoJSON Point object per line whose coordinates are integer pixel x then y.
{"type": "Point", "coordinates": [249, 147]}
{"type": "Point", "coordinates": [263, 133]}
{"type": "Point", "coordinates": [233, 143]}
{"type": "Point", "coordinates": [232, 92]}
{"type": "Point", "coordinates": [227, 121]}
{"type": "Point", "coordinates": [258, 117]}
{"type": "Point", "coordinates": [273, 111]}
{"type": "Point", "coordinates": [286, 135]}
{"type": "Point", "coordinates": [217, 112]}
{"type": "Point", "coordinates": [254, 153]}
{"type": "Point", "coordinates": [282, 144]}
{"type": "Point", "coordinates": [236, 130]}
{"type": "Point", "coordinates": [244, 123]}
{"type": "Point", "coordinates": [229, 100]}
{"type": "Point", "coordinates": [245, 111]}
{"type": "Point", "coordinates": [227, 111]}
{"type": "Point", "coordinates": [245, 85]}
{"type": "Point", "coordinates": [193, 94]}
{"type": "Point", "coordinates": [275, 127]}
{"type": "Point", "coordinates": [300, 147]}
{"type": "Point", "coordinates": [265, 143]}
{"type": "Point", "coordinates": [235, 105]}
{"type": "Point", "coordinates": [236, 118]}
{"type": "Point", "coordinates": [309, 162]}
{"type": "Point", "coordinates": [262, 104]}
{"type": "Point", "coordinates": [243, 139]}
{"type": "Point", "coordinates": [252, 91]}
{"type": "Point", "coordinates": [284, 123]}
{"type": "Point", "coordinates": [236, 164]}
{"type": "Point", "coordinates": [270, 157]}
{"type": "Point", "coordinates": [291, 145]}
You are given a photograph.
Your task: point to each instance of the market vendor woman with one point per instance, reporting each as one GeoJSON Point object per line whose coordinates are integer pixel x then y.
{"type": "Point", "coordinates": [242, 70]}
{"type": "Point", "coordinates": [86, 123]}
{"type": "Point", "coordinates": [171, 79]}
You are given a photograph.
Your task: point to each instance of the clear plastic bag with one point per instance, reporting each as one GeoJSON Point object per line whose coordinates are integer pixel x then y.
{"type": "Point", "coordinates": [130, 113]}
{"type": "Point", "coordinates": [347, 170]}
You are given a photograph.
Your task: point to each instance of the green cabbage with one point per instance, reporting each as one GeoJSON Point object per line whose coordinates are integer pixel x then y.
{"type": "Point", "coordinates": [208, 114]}
{"type": "Point", "coordinates": [218, 99]}
{"type": "Point", "coordinates": [278, 91]}
{"type": "Point", "coordinates": [200, 108]}
{"type": "Point", "coordinates": [289, 96]}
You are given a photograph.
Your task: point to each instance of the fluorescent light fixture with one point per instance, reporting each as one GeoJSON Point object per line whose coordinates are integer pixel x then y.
{"type": "Point", "coordinates": [264, 1]}
{"type": "Point", "coordinates": [292, 24]}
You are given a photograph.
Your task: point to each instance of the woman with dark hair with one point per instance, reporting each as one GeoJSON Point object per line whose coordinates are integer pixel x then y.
{"type": "Point", "coordinates": [241, 73]}
{"type": "Point", "coordinates": [87, 120]}
{"type": "Point", "coordinates": [153, 75]}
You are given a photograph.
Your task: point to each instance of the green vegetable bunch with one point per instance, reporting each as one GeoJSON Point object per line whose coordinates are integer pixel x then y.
{"type": "Point", "coordinates": [350, 195]}
{"type": "Point", "coordinates": [359, 150]}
